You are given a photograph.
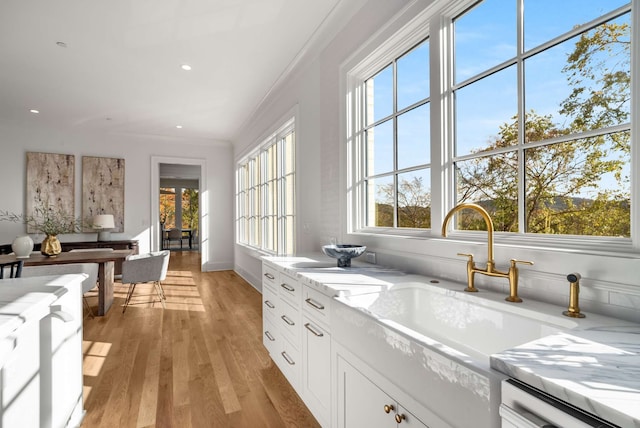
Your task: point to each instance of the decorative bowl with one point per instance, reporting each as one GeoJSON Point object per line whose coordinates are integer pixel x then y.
{"type": "Point", "coordinates": [343, 252]}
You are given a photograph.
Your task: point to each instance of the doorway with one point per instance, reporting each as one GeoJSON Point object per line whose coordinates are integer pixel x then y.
{"type": "Point", "coordinates": [180, 182]}
{"type": "Point", "coordinates": [179, 207]}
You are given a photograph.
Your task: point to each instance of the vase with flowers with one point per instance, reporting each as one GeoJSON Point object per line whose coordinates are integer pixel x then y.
{"type": "Point", "coordinates": [50, 221]}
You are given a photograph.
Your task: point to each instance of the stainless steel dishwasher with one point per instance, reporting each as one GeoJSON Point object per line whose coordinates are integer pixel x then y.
{"type": "Point", "coordinates": [526, 407]}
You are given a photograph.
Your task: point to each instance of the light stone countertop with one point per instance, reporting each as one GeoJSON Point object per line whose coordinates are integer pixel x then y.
{"type": "Point", "coordinates": [597, 370]}
{"type": "Point", "coordinates": [595, 367]}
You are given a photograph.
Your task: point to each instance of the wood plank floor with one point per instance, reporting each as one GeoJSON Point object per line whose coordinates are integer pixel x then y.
{"type": "Point", "coordinates": [198, 363]}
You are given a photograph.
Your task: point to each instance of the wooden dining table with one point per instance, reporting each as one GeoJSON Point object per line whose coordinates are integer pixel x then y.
{"type": "Point", "coordinates": [104, 259]}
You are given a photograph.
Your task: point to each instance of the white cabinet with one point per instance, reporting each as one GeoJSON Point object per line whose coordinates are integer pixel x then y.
{"type": "Point", "coordinates": [41, 352]}
{"type": "Point", "coordinates": [361, 403]}
{"type": "Point", "coordinates": [316, 350]}
{"type": "Point", "coordinates": [61, 361]}
{"type": "Point", "coordinates": [296, 332]}
{"type": "Point", "coordinates": [282, 322]}
{"type": "Point", "coordinates": [20, 377]}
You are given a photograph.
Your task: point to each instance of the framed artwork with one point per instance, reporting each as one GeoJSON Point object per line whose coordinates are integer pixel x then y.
{"type": "Point", "coordinates": [103, 189]}
{"type": "Point", "coordinates": [50, 183]}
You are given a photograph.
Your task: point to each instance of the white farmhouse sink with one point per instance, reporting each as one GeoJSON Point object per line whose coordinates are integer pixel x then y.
{"type": "Point", "coordinates": [435, 343]}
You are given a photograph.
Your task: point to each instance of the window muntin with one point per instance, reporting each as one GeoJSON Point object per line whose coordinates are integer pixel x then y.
{"type": "Point", "coordinates": [526, 126]}
{"type": "Point", "coordinates": [265, 195]}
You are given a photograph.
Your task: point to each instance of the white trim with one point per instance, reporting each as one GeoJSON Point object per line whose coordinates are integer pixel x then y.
{"type": "Point", "coordinates": [203, 193]}
{"type": "Point", "coordinates": [635, 118]}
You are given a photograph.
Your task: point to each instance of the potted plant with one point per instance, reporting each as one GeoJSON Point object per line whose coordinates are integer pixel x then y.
{"type": "Point", "coordinates": [50, 221]}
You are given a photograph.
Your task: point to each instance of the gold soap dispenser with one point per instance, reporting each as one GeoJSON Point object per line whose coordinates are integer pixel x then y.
{"type": "Point", "coordinates": [574, 290]}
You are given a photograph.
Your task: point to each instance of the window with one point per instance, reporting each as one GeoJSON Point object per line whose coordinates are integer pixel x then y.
{"type": "Point", "coordinates": [542, 128]}
{"type": "Point", "coordinates": [396, 142]}
{"type": "Point", "coordinates": [265, 195]}
{"type": "Point", "coordinates": [532, 112]}
{"type": "Point", "coordinates": [189, 212]}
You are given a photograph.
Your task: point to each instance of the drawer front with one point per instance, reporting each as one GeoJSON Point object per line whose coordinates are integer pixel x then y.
{"type": "Point", "coordinates": [290, 289]}
{"type": "Point", "coordinates": [270, 276]}
{"type": "Point", "coordinates": [270, 338]}
{"type": "Point", "coordinates": [289, 362]}
{"type": "Point", "coordinates": [317, 305]}
{"type": "Point", "coordinates": [289, 321]}
{"type": "Point", "coordinates": [270, 304]}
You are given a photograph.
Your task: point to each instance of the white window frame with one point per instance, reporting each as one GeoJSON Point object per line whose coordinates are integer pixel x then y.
{"type": "Point", "coordinates": [397, 37]}
{"type": "Point", "coordinates": [262, 199]}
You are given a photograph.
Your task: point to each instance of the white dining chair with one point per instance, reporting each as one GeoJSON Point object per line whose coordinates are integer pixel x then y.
{"type": "Point", "coordinates": [142, 268]}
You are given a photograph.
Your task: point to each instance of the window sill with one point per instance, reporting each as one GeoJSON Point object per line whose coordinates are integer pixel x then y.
{"type": "Point", "coordinates": [253, 251]}
{"type": "Point", "coordinates": [606, 246]}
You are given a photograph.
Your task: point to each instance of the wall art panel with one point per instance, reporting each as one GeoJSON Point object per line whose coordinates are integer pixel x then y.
{"type": "Point", "coordinates": [103, 189]}
{"type": "Point", "coordinates": [50, 183]}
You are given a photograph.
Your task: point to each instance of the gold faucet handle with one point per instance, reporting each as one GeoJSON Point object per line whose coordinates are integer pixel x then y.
{"type": "Point", "coordinates": [522, 262]}
{"type": "Point", "coordinates": [470, 256]}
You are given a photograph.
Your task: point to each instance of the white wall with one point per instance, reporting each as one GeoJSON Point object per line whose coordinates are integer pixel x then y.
{"type": "Point", "coordinates": [16, 140]}
{"type": "Point", "coordinates": [610, 282]}
{"type": "Point", "coordinates": [313, 92]}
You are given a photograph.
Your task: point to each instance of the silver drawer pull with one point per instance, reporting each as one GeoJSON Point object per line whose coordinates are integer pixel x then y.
{"type": "Point", "coordinates": [315, 304]}
{"type": "Point", "coordinates": [268, 275]}
{"type": "Point", "coordinates": [269, 336]}
{"type": "Point", "coordinates": [288, 358]}
{"type": "Point", "coordinates": [269, 304]}
{"type": "Point", "coordinates": [287, 287]}
{"type": "Point", "coordinates": [287, 320]}
{"type": "Point", "coordinates": [313, 330]}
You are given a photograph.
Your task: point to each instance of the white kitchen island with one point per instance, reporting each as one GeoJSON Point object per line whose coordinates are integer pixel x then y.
{"type": "Point", "coordinates": [41, 351]}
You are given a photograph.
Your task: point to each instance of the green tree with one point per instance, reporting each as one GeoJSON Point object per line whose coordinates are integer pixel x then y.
{"type": "Point", "coordinates": [190, 209]}
{"type": "Point", "coordinates": [414, 204]}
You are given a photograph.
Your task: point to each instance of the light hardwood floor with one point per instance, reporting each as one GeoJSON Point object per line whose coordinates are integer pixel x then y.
{"type": "Point", "coordinates": [198, 363]}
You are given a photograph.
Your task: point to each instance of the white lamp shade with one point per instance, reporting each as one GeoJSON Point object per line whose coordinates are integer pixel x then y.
{"type": "Point", "coordinates": [103, 221]}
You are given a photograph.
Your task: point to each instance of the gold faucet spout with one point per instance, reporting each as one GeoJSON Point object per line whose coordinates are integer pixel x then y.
{"type": "Point", "coordinates": [487, 220]}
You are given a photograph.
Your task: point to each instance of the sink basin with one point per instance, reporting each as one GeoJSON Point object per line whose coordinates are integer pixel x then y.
{"type": "Point", "coordinates": [472, 326]}
{"type": "Point", "coordinates": [343, 252]}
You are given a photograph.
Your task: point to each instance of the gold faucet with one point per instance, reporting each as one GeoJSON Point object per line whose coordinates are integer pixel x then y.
{"type": "Point", "coordinates": [490, 270]}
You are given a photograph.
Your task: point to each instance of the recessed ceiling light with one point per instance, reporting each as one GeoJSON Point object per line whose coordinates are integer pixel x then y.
{"type": "Point", "coordinates": [185, 67]}
{"type": "Point", "coordinates": [34, 111]}
{"type": "Point", "coordinates": [179, 126]}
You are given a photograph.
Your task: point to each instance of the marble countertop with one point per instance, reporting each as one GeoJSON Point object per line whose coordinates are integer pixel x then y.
{"type": "Point", "coordinates": [597, 370]}
{"type": "Point", "coordinates": [595, 367]}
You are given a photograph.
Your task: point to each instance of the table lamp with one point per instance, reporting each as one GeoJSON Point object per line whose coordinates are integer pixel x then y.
{"type": "Point", "coordinates": [103, 223]}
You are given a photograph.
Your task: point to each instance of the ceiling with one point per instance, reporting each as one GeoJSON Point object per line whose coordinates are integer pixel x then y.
{"type": "Point", "coordinates": [115, 66]}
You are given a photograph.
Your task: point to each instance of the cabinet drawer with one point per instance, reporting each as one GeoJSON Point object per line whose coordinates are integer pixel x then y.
{"type": "Point", "coordinates": [270, 276]}
{"type": "Point", "coordinates": [270, 338]}
{"type": "Point", "coordinates": [289, 361]}
{"type": "Point", "coordinates": [290, 289]}
{"type": "Point", "coordinates": [289, 321]}
{"type": "Point", "coordinates": [270, 303]}
{"type": "Point", "coordinates": [317, 304]}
